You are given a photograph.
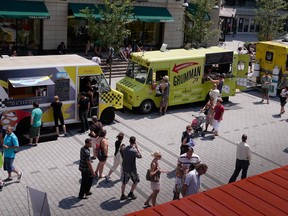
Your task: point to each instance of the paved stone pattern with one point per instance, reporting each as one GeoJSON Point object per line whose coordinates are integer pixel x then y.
{"type": "Point", "coordinates": [53, 166]}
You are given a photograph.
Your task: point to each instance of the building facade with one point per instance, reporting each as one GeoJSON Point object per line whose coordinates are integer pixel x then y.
{"type": "Point", "coordinates": [40, 25]}
{"type": "Point", "coordinates": [238, 17]}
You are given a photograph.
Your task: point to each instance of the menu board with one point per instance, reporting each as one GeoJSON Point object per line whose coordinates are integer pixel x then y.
{"type": "Point", "coordinates": [62, 88]}
{"type": "Point", "coordinates": [219, 58]}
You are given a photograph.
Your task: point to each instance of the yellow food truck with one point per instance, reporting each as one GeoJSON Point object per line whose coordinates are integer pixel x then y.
{"type": "Point", "coordinates": [188, 72]}
{"type": "Point", "coordinates": [272, 57]}
{"type": "Point", "coordinates": [26, 79]}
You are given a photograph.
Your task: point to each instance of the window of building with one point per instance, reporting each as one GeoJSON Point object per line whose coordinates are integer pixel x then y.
{"type": "Point", "coordinates": [246, 24]}
{"type": "Point", "coordinates": [77, 34]}
{"type": "Point", "coordinates": [147, 34]}
{"type": "Point", "coordinates": [20, 35]}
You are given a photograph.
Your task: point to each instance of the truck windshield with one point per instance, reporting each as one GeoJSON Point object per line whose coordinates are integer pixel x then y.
{"type": "Point", "coordinates": [137, 72]}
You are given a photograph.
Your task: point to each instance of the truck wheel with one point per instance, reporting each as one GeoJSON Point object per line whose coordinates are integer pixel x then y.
{"type": "Point", "coordinates": [146, 106]}
{"type": "Point", "coordinates": [107, 116]}
{"type": "Point", "coordinates": [225, 99]}
{"type": "Point", "coordinates": [23, 126]}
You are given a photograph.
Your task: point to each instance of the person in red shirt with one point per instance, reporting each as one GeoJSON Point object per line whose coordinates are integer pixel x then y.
{"type": "Point", "coordinates": [218, 116]}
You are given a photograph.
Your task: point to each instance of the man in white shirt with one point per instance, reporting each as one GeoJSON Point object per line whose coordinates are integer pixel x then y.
{"type": "Point", "coordinates": [214, 93]}
{"type": "Point", "coordinates": [192, 179]}
{"type": "Point", "coordinates": [243, 157]}
{"type": "Point", "coordinates": [96, 59]}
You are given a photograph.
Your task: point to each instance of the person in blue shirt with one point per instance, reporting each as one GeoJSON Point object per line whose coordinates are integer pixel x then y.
{"type": "Point", "coordinates": [10, 144]}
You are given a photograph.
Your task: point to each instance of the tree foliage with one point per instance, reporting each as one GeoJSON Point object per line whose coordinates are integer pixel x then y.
{"type": "Point", "coordinates": [197, 23]}
{"type": "Point", "coordinates": [111, 28]}
{"type": "Point", "coordinates": [270, 19]}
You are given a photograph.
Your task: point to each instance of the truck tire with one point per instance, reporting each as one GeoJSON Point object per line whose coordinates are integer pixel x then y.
{"type": "Point", "coordinates": [146, 107]}
{"type": "Point", "coordinates": [225, 99]}
{"type": "Point", "coordinates": [107, 116]}
{"type": "Point", "coordinates": [23, 126]}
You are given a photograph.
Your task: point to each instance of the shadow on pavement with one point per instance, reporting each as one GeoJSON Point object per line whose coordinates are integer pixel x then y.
{"type": "Point", "coordinates": [105, 184]}
{"type": "Point", "coordinates": [113, 204]}
{"type": "Point", "coordinates": [69, 203]}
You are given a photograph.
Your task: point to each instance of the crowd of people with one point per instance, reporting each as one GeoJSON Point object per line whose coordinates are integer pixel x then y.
{"type": "Point", "coordinates": [189, 168]}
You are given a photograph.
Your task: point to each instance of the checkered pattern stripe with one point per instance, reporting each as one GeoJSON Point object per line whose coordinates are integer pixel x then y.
{"type": "Point", "coordinates": [111, 97]}
{"type": "Point", "coordinates": [2, 105]}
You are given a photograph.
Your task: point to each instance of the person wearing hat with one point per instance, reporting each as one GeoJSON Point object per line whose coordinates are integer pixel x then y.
{"type": "Point", "coordinates": [130, 153]}
{"type": "Point", "coordinates": [95, 130]}
{"type": "Point", "coordinates": [83, 106]}
{"type": "Point", "coordinates": [165, 88]}
{"type": "Point", "coordinates": [155, 186]}
{"type": "Point", "coordinates": [119, 145]}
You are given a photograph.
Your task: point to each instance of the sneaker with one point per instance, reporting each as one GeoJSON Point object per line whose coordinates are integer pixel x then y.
{"type": "Point", "coordinates": [107, 178]}
{"type": "Point", "coordinates": [8, 179]}
{"type": "Point", "coordinates": [88, 194]}
{"type": "Point", "coordinates": [84, 197]}
{"type": "Point", "coordinates": [132, 196]}
{"type": "Point", "coordinates": [20, 176]}
{"type": "Point", "coordinates": [34, 144]}
{"type": "Point", "coordinates": [30, 144]}
{"type": "Point", "coordinates": [2, 185]}
{"type": "Point", "coordinates": [123, 197]}
{"type": "Point", "coordinates": [65, 135]}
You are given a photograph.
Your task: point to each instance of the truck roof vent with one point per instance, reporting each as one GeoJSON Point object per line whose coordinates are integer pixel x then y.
{"type": "Point", "coordinates": [163, 47]}
{"type": "Point", "coordinates": [188, 46]}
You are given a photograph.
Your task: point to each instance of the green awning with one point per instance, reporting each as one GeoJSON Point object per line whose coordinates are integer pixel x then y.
{"type": "Point", "coordinates": [75, 10]}
{"type": "Point", "coordinates": [23, 9]}
{"type": "Point", "coordinates": [193, 9]}
{"type": "Point", "coordinates": [143, 14]}
{"type": "Point", "coordinates": [152, 14]}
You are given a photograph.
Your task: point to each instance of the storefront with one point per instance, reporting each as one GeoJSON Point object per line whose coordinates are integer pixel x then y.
{"type": "Point", "coordinates": [21, 26]}
{"type": "Point", "coordinates": [146, 29]}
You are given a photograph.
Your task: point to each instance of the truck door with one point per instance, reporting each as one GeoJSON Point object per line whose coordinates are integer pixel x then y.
{"type": "Point", "coordinates": [90, 85]}
{"type": "Point", "coordinates": [242, 71]}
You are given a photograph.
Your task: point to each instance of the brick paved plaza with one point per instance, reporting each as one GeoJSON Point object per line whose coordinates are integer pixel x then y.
{"type": "Point", "coordinates": [53, 166]}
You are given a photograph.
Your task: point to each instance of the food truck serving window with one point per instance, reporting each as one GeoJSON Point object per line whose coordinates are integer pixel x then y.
{"type": "Point", "coordinates": [29, 86]}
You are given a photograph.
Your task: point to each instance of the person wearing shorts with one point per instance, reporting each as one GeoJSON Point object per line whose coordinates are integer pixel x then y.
{"type": "Point", "coordinates": [57, 115]}
{"type": "Point", "coordinates": [130, 153]}
{"type": "Point", "coordinates": [102, 142]}
{"type": "Point", "coordinates": [35, 121]}
{"type": "Point", "coordinates": [265, 83]}
{"type": "Point", "coordinates": [9, 146]}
